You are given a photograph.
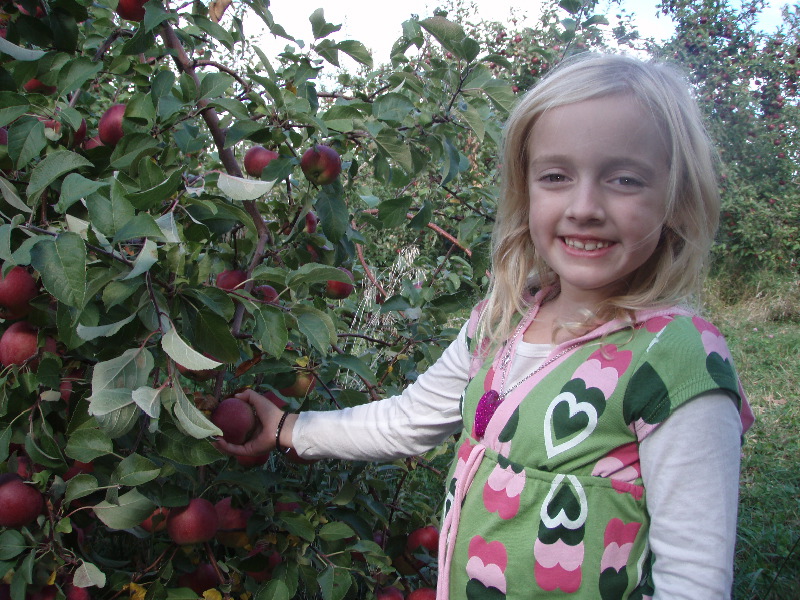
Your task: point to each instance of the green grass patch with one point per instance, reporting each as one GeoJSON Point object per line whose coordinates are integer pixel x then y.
{"type": "Point", "coordinates": [761, 319]}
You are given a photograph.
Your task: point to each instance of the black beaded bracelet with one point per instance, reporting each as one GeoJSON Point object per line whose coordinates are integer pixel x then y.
{"type": "Point", "coordinates": [278, 447]}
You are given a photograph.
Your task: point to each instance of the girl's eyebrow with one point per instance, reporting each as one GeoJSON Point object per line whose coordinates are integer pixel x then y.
{"type": "Point", "coordinates": [611, 162]}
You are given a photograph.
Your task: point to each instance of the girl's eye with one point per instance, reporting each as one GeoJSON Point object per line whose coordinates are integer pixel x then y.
{"type": "Point", "coordinates": [553, 178]}
{"type": "Point", "coordinates": [627, 181]}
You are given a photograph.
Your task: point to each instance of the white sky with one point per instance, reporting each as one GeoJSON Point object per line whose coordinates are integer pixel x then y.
{"type": "Point", "coordinates": [378, 24]}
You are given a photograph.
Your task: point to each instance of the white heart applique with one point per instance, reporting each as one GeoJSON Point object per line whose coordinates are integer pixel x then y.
{"type": "Point", "coordinates": [575, 407]}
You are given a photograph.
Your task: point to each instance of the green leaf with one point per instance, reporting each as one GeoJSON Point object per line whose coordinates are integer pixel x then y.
{"type": "Point", "coordinates": [135, 470]}
{"type": "Point", "coordinates": [147, 257]}
{"type": "Point", "coordinates": [335, 531]}
{"type": "Point", "coordinates": [316, 326]}
{"type": "Point", "coordinates": [91, 333]}
{"type": "Point", "coordinates": [571, 6]}
{"type": "Point", "coordinates": [319, 26]}
{"type": "Point", "coordinates": [77, 72]}
{"type": "Point", "coordinates": [447, 33]}
{"type": "Point", "coordinates": [392, 107]}
{"type": "Point", "coordinates": [54, 166]}
{"type": "Point", "coordinates": [355, 364]}
{"type": "Point", "coordinates": [334, 583]}
{"type": "Point", "coordinates": [26, 140]}
{"type": "Point", "coordinates": [12, 543]}
{"type": "Point", "coordinates": [473, 118]}
{"type": "Point", "coordinates": [273, 590]}
{"type": "Point", "coordinates": [173, 445]}
{"type": "Point", "coordinates": [131, 509]}
{"type": "Point", "coordinates": [80, 486]}
{"type": "Point", "coordinates": [12, 106]}
{"type": "Point", "coordinates": [132, 148]}
{"type": "Point", "coordinates": [315, 273]}
{"type": "Point", "coordinates": [130, 370]}
{"type": "Point", "coordinates": [61, 262]}
{"type": "Point", "coordinates": [396, 148]}
{"type": "Point", "coordinates": [299, 525]}
{"type": "Point", "coordinates": [183, 354]}
{"type": "Point", "coordinates": [88, 575]}
{"type": "Point", "coordinates": [88, 443]}
{"type": "Point", "coordinates": [595, 20]}
{"type": "Point", "coordinates": [21, 54]}
{"type": "Point", "coordinates": [357, 51]}
{"type": "Point", "coordinates": [239, 188]}
{"type": "Point", "coordinates": [501, 94]}
{"type": "Point", "coordinates": [189, 418]}
{"type": "Point", "coordinates": [215, 84]}
{"type": "Point", "coordinates": [153, 197]}
{"type": "Point", "coordinates": [148, 399]}
{"type": "Point", "coordinates": [393, 212]}
{"type": "Point", "coordinates": [142, 225]}
{"type": "Point", "coordinates": [212, 333]}
{"type": "Point", "coordinates": [108, 401]}
{"type": "Point", "coordinates": [10, 196]}
{"type": "Point", "coordinates": [270, 329]}
{"type": "Point", "coordinates": [74, 188]}
{"type": "Point", "coordinates": [333, 213]}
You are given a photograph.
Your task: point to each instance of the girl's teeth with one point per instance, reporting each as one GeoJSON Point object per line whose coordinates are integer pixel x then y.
{"type": "Point", "coordinates": [586, 245]}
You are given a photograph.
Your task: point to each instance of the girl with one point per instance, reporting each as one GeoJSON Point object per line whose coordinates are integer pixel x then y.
{"type": "Point", "coordinates": [601, 416]}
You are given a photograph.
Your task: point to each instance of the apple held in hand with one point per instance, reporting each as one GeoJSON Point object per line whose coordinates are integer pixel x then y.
{"type": "Point", "coordinates": [256, 159]}
{"type": "Point", "coordinates": [17, 289]}
{"type": "Point", "coordinates": [236, 419]}
{"type": "Point", "coordinates": [321, 164]}
{"type": "Point", "coordinates": [194, 523]}
{"type": "Point", "coordinates": [339, 290]}
{"type": "Point", "coordinates": [109, 129]}
{"type": "Point", "coordinates": [20, 503]}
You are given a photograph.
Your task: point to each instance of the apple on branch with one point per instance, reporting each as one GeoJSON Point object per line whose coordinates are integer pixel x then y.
{"type": "Point", "coordinates": [256, 159]}
{"type": "Point", "coordinates": [20, 503]}
{"type": "Point", "coordinates": [321, 164]}
{"type": "Point", "coordinates": [109, 128]}
{"type": "Point", "coordinates": [425, 537]}
{"type": "Point", "coordinates": [231, 279]}
{"type": "Point", "coordinates": [193, 523]}
{"type": "Point", "coordinates": [17, 289]}
{"type": "Point", "coordinates": [20, 344]}
{"type": "Point", "coordinates": [339, 290]}
{"type": "Point", "coordinates": [132, 10]}
{"type": "Point", "coordinates": [423, 593]}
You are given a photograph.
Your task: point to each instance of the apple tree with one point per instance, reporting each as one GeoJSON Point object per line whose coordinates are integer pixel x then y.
{"type": "Point", "coordinates": [148, 277]}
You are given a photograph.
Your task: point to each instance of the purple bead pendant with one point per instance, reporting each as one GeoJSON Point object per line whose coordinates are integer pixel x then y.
{"type": "Point", "coordinates": [487, 406]}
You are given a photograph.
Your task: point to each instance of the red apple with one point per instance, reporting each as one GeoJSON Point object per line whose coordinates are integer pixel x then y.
{"type": "Point", "coordinates": [230, 279]}
{"type": "Point", "coordinates": [203, 578]}
{"type": "Point", "coordinates": [266, 293]}
{"type": "Point", "coordinates": [256, 158]}
{"type": "Point", "coordinates": [75, 375]}
{"type": "Point", "coordinates": [3, 136]}
{"type": "Point", "coordinates": [73, 592]}
{"type": "Point", "coordinates": [321, 164]}
{"type": "Point", "coordinates": [232, 530]}
{"type": "Point", "coordinates": [303, 384]}
{"type": "Point", "coordinates": [252, 461]}
{"type": "Point", "coordinates": [132, 10]}
{"type": "Point", "coordinates": [311, 222]}
{"type": "Point", "coordinates": [389, 593]}
{"type": "Point", "coordinates": [19, 344]}
{"type": "Point", "coordinates": [426, 537]}
{"type": "Point", "coordinates": [20, 503]}
{"type": "Point", "coordinates": [157, 521]}
{"type": "Point", "coordinates": [235, 418]}
{"type": "Point", "coordinates": [194, 523]}
{"type": "Point", "coordinates": [339, 289]}
{"type": "Point", "coordinates": [34, 86]}
{"type": "Point", "coordinates": [270, 557]}
{"type": "Point", "coordinates": [423, 593]}
{"type": "Point", "coordinates": [48, 592]}
{"type": "Point", "coordinates": [17, 289]}
{"type": "Point", "coordinates": [93, 142]}
{"type": "Point", "coordinates": [77, 468]}
{"type": "Point", "coordinates": [109, 128]}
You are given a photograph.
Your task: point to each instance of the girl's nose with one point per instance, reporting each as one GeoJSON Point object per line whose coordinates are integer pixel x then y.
{"type": "Point", "coordinates": [585, 204]}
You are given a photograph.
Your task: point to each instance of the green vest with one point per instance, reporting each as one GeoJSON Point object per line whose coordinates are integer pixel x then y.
{"type": "Point", "coordinates": [550, 502]}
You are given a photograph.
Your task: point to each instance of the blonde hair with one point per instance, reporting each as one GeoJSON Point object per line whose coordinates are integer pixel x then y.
{"type": "Point", "coordinates": [674, 273]}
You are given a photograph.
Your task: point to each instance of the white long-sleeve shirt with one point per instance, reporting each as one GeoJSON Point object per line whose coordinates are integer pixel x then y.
{"type": "Point", "coordinates": [690, 464]}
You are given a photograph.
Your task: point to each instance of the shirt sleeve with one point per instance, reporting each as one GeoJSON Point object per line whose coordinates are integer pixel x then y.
{"type": "Point", "coordinates": [423, 416]}
{"type": "Point", "coordinates": [690, 467]}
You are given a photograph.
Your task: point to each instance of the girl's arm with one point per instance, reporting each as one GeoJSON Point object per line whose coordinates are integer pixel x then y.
{"type": "Point", "coordinates": [424, 415]}
{"type": "Point", "coordinates": [690, 468]}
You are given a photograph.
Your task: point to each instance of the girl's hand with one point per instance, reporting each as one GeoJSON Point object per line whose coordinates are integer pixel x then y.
{"type": "Point", "coordinates": [263, 439]}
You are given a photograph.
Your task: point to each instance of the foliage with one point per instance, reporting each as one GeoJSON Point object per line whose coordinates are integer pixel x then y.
{"type": "Point", "coordinates": [746, 81]}
{"type": "Point", "coordinates": [762, 326]}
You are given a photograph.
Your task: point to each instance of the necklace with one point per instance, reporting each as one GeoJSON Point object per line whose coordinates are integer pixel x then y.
{"type": "Point", "coordinates": [491, 400]}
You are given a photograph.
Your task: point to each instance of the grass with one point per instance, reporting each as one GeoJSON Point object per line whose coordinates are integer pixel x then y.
{"type": "Point", "coordinates": [761, 320]}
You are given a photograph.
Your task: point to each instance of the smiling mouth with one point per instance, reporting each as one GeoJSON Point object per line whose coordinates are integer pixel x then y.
{"type": "Point", "coordinates": [586, 244]}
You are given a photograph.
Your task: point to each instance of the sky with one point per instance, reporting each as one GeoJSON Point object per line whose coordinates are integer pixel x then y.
{"type": "Point", "coordinates": [379, 27]}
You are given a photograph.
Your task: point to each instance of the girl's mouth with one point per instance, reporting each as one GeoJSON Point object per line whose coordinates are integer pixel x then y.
{"type": "Point", "coordinates": [586, 244]}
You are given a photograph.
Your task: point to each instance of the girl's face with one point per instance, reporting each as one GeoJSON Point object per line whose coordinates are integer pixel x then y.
{"type": "Point", "coordinates": [597, 187]}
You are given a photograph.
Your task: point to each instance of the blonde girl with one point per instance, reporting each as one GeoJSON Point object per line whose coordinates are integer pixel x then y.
{"type": "Point", "coordinates": [600, 416]}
